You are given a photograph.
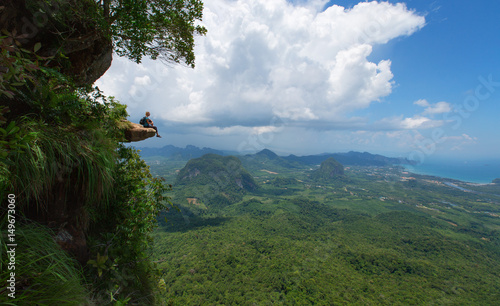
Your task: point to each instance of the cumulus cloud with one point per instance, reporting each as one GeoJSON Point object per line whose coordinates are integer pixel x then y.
{"type": "Point", "coordinates": [439, 108]}
{"type": "Point", "coordinates": [407, 123]}
{"type": "Point", "coordinates": [262, 59]}
{"type": "Point", "coordinates": [422, 102]}
{"type": "Point", "coordinates": [433, 109]}
{"type": "Point", "coordinates": [415, 122]}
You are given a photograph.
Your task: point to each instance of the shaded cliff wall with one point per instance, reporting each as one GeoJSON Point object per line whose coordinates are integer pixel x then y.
{"type": "Point", "coordinates": [72, 28]}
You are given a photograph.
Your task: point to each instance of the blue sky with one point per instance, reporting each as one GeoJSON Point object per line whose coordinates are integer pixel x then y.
{"type": "Point", "coordinates": [417, 79]}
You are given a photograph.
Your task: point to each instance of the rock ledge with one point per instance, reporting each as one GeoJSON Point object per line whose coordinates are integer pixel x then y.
{"type": "Point", "coordinates": [136, 132]}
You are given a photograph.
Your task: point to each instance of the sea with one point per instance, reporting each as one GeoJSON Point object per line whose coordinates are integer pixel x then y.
{"type": "Point", "coordinates": [473, 171]}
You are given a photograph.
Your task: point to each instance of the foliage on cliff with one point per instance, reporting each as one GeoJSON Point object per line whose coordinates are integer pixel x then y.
{"type": "Point", "coordinates": [61, 156]}
{"type": "Point", "coordinates": [60, 141]}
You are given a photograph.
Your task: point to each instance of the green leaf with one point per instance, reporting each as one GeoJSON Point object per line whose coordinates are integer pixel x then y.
{"type": "Point", "coordinates": [9, 94]}
{"type": "Point", "coordinates": [37, 47]}
{"type": "Point", "coordinates": [13, 130]}
{"type": "Point", "coordinates": [9, 127]}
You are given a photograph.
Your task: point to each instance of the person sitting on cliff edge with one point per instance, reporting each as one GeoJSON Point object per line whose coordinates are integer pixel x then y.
{"type": "Point", "coordinates": [148, 123]}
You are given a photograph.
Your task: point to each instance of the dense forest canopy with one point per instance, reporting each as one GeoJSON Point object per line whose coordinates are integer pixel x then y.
{"type": "Point", "coordinates": [372, 236]}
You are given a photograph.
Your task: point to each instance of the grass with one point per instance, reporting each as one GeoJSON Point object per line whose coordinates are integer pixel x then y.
{"type": "Point", "coordinates": [83, 164]}
{"type": "Point", "coordinates": [44, 273]}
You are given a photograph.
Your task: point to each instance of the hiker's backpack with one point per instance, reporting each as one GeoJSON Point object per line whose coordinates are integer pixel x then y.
{"type": "Point", "coordinates": [143, 121]}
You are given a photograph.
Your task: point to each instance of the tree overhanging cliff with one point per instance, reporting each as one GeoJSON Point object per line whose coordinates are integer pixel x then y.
{"type": "Point", "coordinates": [86, 32]}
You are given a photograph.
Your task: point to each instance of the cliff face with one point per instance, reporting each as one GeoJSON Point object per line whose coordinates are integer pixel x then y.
{"type": "Point", "coordinates": [75, 166]}
{"type": "Point", "coordinates": [61, 28]}
{"type": "Point", "coordinates": [67, 36]}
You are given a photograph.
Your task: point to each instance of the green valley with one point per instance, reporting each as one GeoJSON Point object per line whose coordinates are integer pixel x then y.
{"type": "Point", "coordinates": [374, 235]}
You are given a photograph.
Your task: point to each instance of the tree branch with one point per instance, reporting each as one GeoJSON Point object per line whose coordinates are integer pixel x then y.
{"type": "Point", "coordinates": [106, 4]}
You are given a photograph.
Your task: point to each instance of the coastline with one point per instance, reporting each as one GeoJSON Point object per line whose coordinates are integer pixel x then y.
{"type": "Point", "coordinates": [472, 172]}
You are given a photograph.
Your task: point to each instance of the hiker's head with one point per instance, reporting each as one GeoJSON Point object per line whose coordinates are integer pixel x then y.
{"type": "Point", "coordinates": [148, 114]}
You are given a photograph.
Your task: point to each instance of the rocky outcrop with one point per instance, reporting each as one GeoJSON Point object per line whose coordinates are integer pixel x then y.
{"type": "Point", "coordinates": [90, 58]}
{"type": "Point", "coordinates": [136, 132]}
{"type": "Point", "coordinates": [56, 30]}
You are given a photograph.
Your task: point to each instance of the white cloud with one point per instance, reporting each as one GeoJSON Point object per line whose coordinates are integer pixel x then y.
{"type": "Point", "coordinates": [144, 80]}
{"type": "Point", "coordinates": [262, 60]}
{"type": "Point", "coordinates": [193, 112]}
{"type": "Point", "coordinates": [469, 138]}
{"type": "Point", "coordinates": [233, 130]}
{"type": "Point", "coordinates": [439, 108]}
{"type": "Point", "coordinates": [259, 130]}
{"type": "Point", "coordinates": [265, 58]}
{"type": "Point", "coordinates": [408, 123]}
{"type": "Point", "coordinates": [433, 109]}
{"type": "Point", "coordinates": [422, 102]}
{"type": "Point", "coordinates": [459, 142]}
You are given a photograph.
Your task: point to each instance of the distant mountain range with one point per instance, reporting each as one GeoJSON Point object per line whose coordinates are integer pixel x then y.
{"type": "Point", "coordinates": [269, 158]}
{"type": "Point", "coordinates": [351, 158]}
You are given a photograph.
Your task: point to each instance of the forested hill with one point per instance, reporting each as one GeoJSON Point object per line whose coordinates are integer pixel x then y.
{"type": "Point", "coordinates": [214, 180]}
{"type": "Point", "coordinates": [268, 160]}
{"type": "Point", "coordinates": [350, 158]}
{"type": "Point", "coordinates": [213, 167]}
{"type": "Point", "coordinates": [330, 169]}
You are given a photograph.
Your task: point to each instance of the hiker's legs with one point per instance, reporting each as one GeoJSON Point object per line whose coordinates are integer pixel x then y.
{"type": "Point", "coordinates": [156, 129]}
